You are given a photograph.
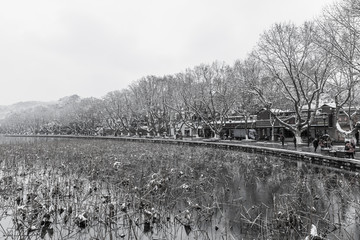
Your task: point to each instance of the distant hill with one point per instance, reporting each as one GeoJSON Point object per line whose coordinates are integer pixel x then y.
{"type": "Point", "coordinates": [6, 110]}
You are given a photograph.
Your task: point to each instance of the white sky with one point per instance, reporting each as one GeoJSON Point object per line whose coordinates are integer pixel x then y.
{"type": "Point", "coordinates": [54, 48]}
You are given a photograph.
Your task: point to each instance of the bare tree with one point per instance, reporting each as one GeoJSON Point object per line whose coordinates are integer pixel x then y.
{"type": "Point", "coordinates": [150, 94]}
{"type": "Point", "coordinates": [339, 36]}
{"type": "Point", "coordinates": [120, 111]}
{"type": "Point", "coordinates": [209, 95]}
{"type": "Point", "coordinates": [340, 32]}
{"type": "Point", "coordinates": [180, 113]}
{"type": "Point", "coordinates": [343, 89]}
{"type": "Point", "coordinates": [246, 102]}
{"type": "Point", "coordinates": [185, 105]}
{"type": "Point", "coordinates": [89, 115]}
{"type": "Point", "coordinates": [297, 68]}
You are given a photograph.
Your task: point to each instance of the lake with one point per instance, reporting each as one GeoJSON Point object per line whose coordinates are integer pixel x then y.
{"type": "Point", "coordinates": [103, 189]}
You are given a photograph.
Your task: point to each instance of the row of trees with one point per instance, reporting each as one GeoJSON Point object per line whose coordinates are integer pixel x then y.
{"type": "Point", "coordinates": [291, 68]}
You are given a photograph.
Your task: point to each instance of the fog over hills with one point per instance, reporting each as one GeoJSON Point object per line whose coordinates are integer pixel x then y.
{"type": "Point", "coordinates": [6, 110]}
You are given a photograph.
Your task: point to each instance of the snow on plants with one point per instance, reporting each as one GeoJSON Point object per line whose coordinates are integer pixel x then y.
{"type": "Point", "coordinates": [101, 189]}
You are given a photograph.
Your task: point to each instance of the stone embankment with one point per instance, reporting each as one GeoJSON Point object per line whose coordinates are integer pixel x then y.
{"type": "Point", "coordinates": [288, 151]}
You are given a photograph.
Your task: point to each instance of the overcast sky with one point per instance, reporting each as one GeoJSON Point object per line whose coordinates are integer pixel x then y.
{"type": "Point", "coordinates": [54, 48]}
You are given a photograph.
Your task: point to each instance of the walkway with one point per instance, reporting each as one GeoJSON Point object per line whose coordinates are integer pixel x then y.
{"type": "Point", "coordinates": [290, 146]}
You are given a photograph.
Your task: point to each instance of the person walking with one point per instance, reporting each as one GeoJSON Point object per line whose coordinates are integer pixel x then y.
{"type": "Point", "coordinates": [282, 139]}
{"type": "Point", "coordinates": [316, 144]}
{"type": "Point", "coordinates": [349, 149]}
{"type": "Point", "coordinates": [353, 145]}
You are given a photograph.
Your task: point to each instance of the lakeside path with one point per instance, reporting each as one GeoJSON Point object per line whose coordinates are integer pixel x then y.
{"type": "Point", "coordinates": [301, 153]}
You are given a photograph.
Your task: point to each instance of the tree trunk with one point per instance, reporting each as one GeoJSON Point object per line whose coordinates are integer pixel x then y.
{"type": "Point", "coordinates": [298, 137]}
{"type": "Point", "coordinates": [216, 134]}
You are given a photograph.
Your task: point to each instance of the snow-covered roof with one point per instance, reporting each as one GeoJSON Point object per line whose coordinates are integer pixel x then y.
{"type": "Point", "coordinates": [274, 110]}
{"type": "Point", "coordinates": [330, 104]}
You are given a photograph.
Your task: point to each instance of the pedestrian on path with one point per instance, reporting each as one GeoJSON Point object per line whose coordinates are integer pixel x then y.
{"type": "Point", "coordinates": [349, 149]}
{"type": "Point", "coordinates": [315, 144]}
{"type": "Point", "coordinates": [282, 139]}
{"type": "Point", "coordinates": [353, 145]}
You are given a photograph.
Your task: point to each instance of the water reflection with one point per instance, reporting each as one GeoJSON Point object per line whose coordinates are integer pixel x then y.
{"type": "Point", "coordinates": [285, 198]}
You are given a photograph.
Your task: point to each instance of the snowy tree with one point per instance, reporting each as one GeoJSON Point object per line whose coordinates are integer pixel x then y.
{"type": "Point", "coordinates": [150, 93]}
{"type": "Point", "coordinates": [293, 63]}
{"type": "Point", "coordinates": [120, 111]}
{"type": "Point", "coordinates": [246, 102]}
{"type": "Point", "coordinates": [209, 94]}
{"type": "Point", "coordinates": [339, 35]}
{"type": "Point", "coordinates": [179, 102]}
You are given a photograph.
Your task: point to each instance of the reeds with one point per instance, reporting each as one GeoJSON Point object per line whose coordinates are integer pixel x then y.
{"type": "Point", "coordinates": [101, 189]}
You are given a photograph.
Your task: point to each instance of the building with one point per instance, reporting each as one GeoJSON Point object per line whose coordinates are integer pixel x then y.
{"type": "Point", "coordinates": [262, 126]}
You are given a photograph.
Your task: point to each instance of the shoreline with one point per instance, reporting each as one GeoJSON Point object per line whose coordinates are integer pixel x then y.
{"type": "Point", "coordinates": [302, 153]}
